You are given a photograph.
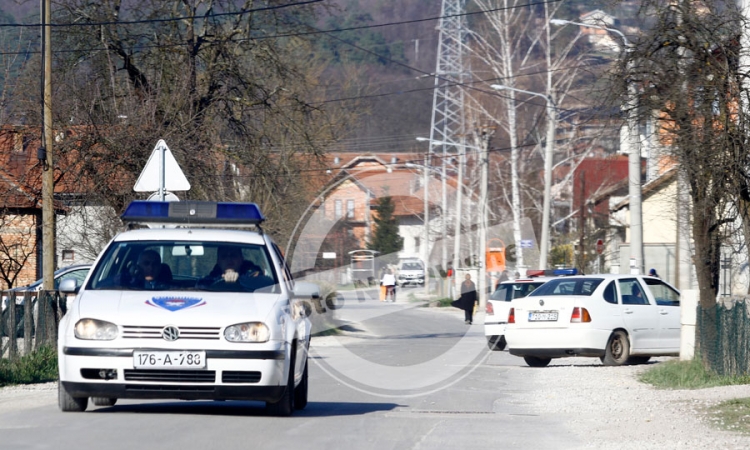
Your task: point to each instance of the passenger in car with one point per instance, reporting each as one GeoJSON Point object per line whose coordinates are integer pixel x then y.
{"type": "Point", "coordinates": [148, 273]}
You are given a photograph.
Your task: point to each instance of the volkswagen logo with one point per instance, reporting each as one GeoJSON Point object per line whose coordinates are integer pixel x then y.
{"type": "Point", "coordinates": [170, 333]}
{"type": "Point", "coordinates": [541, 303]}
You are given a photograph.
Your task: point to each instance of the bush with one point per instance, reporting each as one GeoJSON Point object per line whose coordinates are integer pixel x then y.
{"type": "Point", "coordinates": [37, 367]}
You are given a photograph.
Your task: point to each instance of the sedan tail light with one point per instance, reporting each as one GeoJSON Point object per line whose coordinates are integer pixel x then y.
{"type": "Point", "coordinates": [580, 315]}
{"type": "Point", "coordinates": [489, 309]}
{"type": "Point", "coordinates": [512, 315]}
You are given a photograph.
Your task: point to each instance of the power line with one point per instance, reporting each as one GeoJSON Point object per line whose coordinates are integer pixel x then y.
{"type": "Point", "coordinates": [253, 38]}
{"type": "Point", "coordinates": [417, 161]}
{"type": "Point", "coordinates": [171, 19]}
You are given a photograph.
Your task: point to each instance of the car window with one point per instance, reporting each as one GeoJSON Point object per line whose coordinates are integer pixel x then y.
{"type": "Point", "coordinates": [632, 292]}
{"type": "Point", "coordinates": [185, 265]}
{"type": "Point", "coordinates": [610, 293]}
{"type": "Point", "coordinates": [509, 291]}
{"type": "Point", "coordinates": [411, 266]}
{"type": "Point", "coordinates": [663, 293]}
{"type": "Point", "coordinates": [568, 286]}
{"type": "Point", "coordinates": [78, 275]}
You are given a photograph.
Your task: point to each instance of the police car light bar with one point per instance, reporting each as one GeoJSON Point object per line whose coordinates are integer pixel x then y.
{"type": "Point", "coordinates": [551, 272]}
{"type": "Point", "coordinates": [193, 212]}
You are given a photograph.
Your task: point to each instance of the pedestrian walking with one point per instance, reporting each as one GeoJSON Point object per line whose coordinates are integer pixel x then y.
{"type": "Point", "coordinates": [389, 282]}
{"type": "Point", "coordinates": [468, 299]}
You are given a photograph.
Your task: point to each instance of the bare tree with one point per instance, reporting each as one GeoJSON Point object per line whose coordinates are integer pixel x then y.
{"type": "Point", "coordinates": [515, 45]}
{"type": "Point", "coordinates": [686, 67]}
{"type": "Point", "coordinates": [231, 86]}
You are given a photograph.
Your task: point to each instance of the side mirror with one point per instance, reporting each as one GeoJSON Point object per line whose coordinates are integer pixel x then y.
{"type": "Point", "coordinates": [68, 286]}
{"type": "Point", "coordinates": [303, 289]}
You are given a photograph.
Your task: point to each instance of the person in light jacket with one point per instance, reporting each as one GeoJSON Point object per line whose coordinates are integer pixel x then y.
{"type": "Point", "coordinates": [389, 281]}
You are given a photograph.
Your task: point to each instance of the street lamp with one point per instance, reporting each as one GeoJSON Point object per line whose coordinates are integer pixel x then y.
{"type": "Point", "coordinates": [549, 149]}
{"type": "Point", "coordinates": [634, 157]}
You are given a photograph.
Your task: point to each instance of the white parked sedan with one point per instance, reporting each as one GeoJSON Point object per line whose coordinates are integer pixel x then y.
{"type": "Point", "coordinates": [619, 318]}
{"type": "Point", "coordinates": [498, 305]}
{"type": "Point", "coordinates": [188, 312]}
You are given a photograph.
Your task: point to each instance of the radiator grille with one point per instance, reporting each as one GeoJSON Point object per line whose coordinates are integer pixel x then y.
{"type": "Point", "coordinates": [171, 376]}
{"type": "Point", "coordinates": [154, 332]}
{"type": "Point", "coordinates": [230, 376]}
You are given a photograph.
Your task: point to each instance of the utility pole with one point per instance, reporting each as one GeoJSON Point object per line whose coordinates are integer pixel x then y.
{"type": "Point", "coordinates": [45, 156]}
{"type": "Point", "coordinates": [484, 161]}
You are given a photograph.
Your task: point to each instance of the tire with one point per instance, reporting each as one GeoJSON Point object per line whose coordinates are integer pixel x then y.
{"type": "Point", "coordinates": [496, 343]}
{"type": "Point", "coordinates": [300, 392]}
{"type": "Point", "coordinates": [284, 407]}
{"type": "Point", "coordinates": [103, 401]}
{"type": "Point", "coordinates": [617, 352]}
{"type": "Point", "coordinates": [68, 403]}
{"type": "Point", "coordinates": [633, 360]}
{"type": "Point", "coordinates": [534, 361]}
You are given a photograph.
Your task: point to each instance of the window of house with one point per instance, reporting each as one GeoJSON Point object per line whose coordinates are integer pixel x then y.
{"type": "Point", "coordinates": [337, 209]}
{"type": "Point", "coordinates": [68, 255]}
{"type": "Point", "coordinates": [350, 209]}
{"type": "Point", "coordinates": [416, 244]}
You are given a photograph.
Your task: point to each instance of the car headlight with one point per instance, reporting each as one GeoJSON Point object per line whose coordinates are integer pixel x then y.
{"type": "Point", "coordinates": [247, 332]}
{"type": "Point", "coordinates": [97, 330]}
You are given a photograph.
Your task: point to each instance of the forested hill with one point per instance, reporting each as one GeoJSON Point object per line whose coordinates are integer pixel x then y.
{"type": "Point", "coordinates": [379, 67]}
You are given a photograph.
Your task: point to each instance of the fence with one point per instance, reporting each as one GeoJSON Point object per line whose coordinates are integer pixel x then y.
{"type": "Point", "coordinates": [724, 336]}
{"type": "Point", "coordinates": [29, 321]}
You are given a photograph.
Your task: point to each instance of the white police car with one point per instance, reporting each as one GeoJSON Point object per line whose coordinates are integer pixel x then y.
{"type": "Point", "coordinates": [189, 310]}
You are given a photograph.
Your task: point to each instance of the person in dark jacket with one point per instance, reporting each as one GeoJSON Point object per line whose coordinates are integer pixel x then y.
{"type": "Point", "coordinates": [468, 299]}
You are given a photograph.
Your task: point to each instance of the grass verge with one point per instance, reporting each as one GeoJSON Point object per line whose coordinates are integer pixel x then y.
{"type": "Point", "coordinates": [687, 375]}
{"type": "Point", "coordinates": [732, 415]}
{"type": "Point", "coordinates": [444, 302]}
{"type": "Point", "coordinates": [37, 367]}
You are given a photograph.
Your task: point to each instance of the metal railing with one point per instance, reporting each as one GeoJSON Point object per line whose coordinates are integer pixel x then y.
{"type": "Point", "coordinates": [28, 321]}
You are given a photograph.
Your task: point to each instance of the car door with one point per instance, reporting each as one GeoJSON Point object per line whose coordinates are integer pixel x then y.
{"type": "Point", "coordinates": [667, 301]}
{"type": "Point", "coordinates": [639, 316]}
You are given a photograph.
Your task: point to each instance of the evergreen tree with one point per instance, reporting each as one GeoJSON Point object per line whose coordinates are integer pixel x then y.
{"type": "Point", "coordinates": [386, 239]}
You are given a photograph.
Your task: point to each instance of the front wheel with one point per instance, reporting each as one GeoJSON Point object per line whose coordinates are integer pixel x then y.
{"type": "Point", "coordinates": [284, 407]}
{"type": "Point", "coordinates": [300, 392]}
{"type": "Point", "coordinates": [618, 350]}
{"type": "Point", "coordinates": [633, 360]}
{"type": "Point", "coordinates": [67, 402]}
{"type": "Point", "coordinates": [534, 361]}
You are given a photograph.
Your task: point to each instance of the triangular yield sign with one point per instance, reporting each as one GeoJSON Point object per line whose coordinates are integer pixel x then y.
{"type": "Point", "coordinates": [174, 179]}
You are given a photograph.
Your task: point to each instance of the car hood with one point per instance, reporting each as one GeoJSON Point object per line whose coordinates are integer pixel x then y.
{"type": "Point", "coordinates": [188, 308]}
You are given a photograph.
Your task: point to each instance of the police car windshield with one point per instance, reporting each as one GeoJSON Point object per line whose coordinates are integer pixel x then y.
{"type": "Point", "coordinates": [188, 265]}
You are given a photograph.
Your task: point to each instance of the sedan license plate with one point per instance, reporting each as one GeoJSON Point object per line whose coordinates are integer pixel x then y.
{"type": "Point", "coordinates": [144, 359]}
{"type": "Point", "coordinates": [543, 316]}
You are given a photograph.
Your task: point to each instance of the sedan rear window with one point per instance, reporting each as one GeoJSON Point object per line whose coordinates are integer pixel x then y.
{"type": "Point", "coordinates": [568, 286]}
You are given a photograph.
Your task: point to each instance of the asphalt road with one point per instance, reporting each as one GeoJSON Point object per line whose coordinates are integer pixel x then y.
{"type": "Point", "coordinates": [400, 377]}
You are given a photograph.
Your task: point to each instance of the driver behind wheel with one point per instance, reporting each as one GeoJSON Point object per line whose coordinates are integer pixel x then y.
{"type": "Point", "coordinates": [231, 267]}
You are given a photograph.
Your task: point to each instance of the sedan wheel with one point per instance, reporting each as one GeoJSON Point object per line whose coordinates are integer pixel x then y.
{"type": "Point", "coordinates": [618, 350]}
{"type": "Point", "coordinates": [496, 343]}
{"type": "Point", "coordinates": [533, 361]}
{"type": "Point", "coordinates": [68, 403]}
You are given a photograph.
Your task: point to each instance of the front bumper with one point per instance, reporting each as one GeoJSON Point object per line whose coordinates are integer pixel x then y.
{"type": "Point", "coordinates": [229, 374]}
{"type": "Point", "coordinates": [415, 281]}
